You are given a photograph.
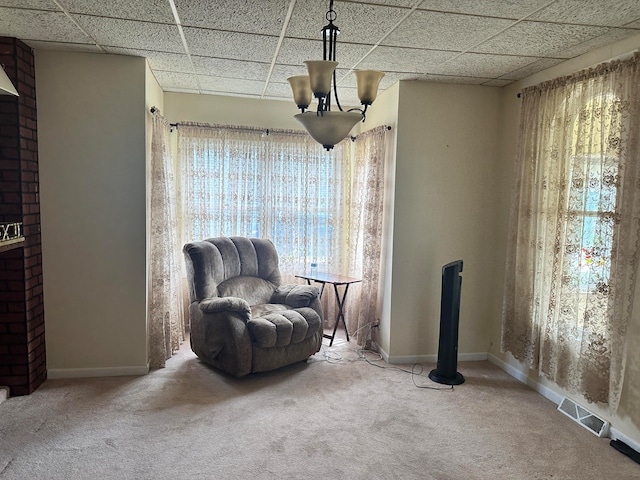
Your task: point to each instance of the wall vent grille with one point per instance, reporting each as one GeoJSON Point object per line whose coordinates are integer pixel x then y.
{"type": "Point", "coordinates": [584, 417]}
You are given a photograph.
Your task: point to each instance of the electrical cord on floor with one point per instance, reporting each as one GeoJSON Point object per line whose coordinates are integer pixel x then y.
{"type": "Point", "coordinates": [413, 373]}
{"type": "Point", "coordinates": [331, 356]}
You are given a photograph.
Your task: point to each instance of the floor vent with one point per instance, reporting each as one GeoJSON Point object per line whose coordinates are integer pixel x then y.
{"type": "Point", "coordinates": [584, 417]}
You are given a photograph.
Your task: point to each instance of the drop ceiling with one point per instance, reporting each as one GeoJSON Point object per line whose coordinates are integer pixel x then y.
{"type": "Point", "coordinates": [249, 47]}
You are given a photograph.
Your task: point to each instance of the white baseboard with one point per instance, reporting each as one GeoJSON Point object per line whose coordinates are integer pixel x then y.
{"type": "Point", "coordinates": [433, 358]}
{"type": "Point", "coordinates": [96, 372]}
{"type": "Point", "coordinates": [377, 348]}
{"type": "Point", "coordinates": [522, 377]}
{"type": "Point", "coordinates": [462, 357]}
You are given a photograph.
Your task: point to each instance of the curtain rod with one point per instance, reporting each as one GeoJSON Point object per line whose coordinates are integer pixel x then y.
{"type": "Point", "coordinates": [176, 125]}
{"type": "Point", "coordinates": [353, 137]}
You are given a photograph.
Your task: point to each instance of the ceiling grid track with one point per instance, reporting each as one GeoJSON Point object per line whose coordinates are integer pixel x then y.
{"type": "Point", "coordinates": [285, 25]}
{"type": "Point", "coordinates": [77, 24]}
{"type": "Point", "coordinates": [184, 43]}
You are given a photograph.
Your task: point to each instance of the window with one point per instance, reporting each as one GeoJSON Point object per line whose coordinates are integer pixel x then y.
{"type": "Point", "coordinates": [280, 186]}
{"type": "Point", "coordinates": [573, 242]}
{"type": "Point", "coordinates": [592, 196]}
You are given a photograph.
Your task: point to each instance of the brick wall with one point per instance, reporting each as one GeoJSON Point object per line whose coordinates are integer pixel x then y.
{"type": "Point", "coordinates": [22, 345]}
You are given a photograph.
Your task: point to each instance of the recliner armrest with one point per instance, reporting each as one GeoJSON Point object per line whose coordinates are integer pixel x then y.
{"type": "Point", "coordinates": [226, 304]}
{"type": "Point", "coordinates": [294, 295]}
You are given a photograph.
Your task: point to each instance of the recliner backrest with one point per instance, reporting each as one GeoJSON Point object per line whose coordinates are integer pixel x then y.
{"type": "Point", "coordinates": [232, 266]}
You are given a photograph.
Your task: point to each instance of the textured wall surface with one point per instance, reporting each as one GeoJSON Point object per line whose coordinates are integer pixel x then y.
{"type": "Point", "coordinates": [22, 339]}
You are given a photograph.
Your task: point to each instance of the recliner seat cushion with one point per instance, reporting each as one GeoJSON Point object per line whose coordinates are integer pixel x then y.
{"type": "Point", "coordinates": [280, 327]}
{"type": "Point", "coordinates": [253, 289]}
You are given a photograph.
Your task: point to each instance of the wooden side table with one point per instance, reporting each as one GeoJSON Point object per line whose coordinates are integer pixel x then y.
{"type": "Point", "coordinates": [335, 280]}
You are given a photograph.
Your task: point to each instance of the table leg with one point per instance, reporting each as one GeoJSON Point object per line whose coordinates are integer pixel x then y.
{"type": "Point", "coordinates": [322, 319]}
{"type": "Point", "coordinates": [340, 312]}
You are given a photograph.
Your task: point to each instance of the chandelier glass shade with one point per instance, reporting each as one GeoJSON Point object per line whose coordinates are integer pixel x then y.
{"type": "Point", "coordinates": [330, 127]}
{"type": "Point", "coordinates": [325, 126]}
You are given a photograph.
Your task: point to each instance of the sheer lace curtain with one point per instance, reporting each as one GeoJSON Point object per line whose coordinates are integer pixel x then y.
{"type": "Point", "coordinates": [574, 229]}
{"type": "Point", "coordinates": [283, 186]}
{"type": "Point", "coordinates": [166, 319]}
{"type": "Point", "coordinates": [365, 232]}
{"type": "Point", "coordinates": [277, 185]}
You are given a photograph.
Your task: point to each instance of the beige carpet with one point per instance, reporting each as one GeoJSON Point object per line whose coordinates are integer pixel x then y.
{"type": "Point", "coordinates": [341, 419]}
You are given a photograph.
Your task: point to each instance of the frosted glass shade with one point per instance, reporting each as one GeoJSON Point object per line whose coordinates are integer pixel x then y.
{"type": "Point", "coordinates": [330, 127]}
{"type": "Point", "coordinates": [301, 88]}
{"type": "Point", "coordinates": [320, 74]}
{"type": "Point", "coordinates": [368, 81]}
{"type": "Point", "coordinates": [6, 87]}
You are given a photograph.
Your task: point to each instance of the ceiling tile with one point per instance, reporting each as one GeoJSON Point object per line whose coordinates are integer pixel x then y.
{"type": "Point", "coordinates": [230, 68]}
{"type": "Point", "coordinates": [612, 13]}
{"type": "Point", "coordinates": [70, 47]}
{"type": "Point", "coordinates": [230, 85]}
{"type": "Point", "coordinates": [230, 45]}
{"type": "Point", "coordinates": [146, 10]}
{"type": "Point", "coordinates": [174, 62]}
{"type": "Point", "coordinates": [132, 34]}
{"type": "Point", "coordinates": [480, 65]}
{"type": "Point", "coordinates": [247, 16]}
{"type": "Point", "coordinates": [40, 25]}
{"type": "Point", "coordinates": [443, 31]}
{"type": "Point", "coordinates": [279, 90]}
{"type": "Point", "coordinates": [35, 4]}
{"type": "Point", "coordinates": [406, 60]}
{"type": "Point", "coordinates": [514, 9]}
{"type": "Point", "coordinates": [542, 39]}
{"type": "Point", "coordinates": [358, 22]}
{"type": "Point", "coordinates": [296, 51]}
{"type": "Point", "coordinates": [533, 67]}
{"type": "Point", "coordinates": [282, 72]}
{"type": "Point", "coordinates": [233, 42]}
{"type": "Point", "coordinates": [348, 98]}
{"type": "Point", "coordinates": [391, 78]}
{"type": "Point", "coordinates": [176, 80]}
{"type": "Point", "coordinates": [613, 35]}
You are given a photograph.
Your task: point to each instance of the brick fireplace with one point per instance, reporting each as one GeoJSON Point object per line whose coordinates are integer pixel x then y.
{"type": "Point", "coordinates": [22, 339]}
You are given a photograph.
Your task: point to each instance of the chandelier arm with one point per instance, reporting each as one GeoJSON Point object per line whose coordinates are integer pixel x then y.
{"type": "Point", "coordinates": [362, 112]}
{"type": "Point", "coordinates": [335, 92]}
{"type": "Point", "coordinates": [321, 106]}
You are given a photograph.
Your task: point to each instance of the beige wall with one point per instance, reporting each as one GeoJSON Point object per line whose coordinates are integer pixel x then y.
{"type": "Point", "coordinates": [445, 206]}
{"type": "Point", "coordinates": [627, 421]}
{"type": "Point", "coordinates": [230, 111]}
{"type": "Point", "coordinates": [91, 129]}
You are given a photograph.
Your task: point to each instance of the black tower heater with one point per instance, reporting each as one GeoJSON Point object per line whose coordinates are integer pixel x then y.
{"type": "Point", "coordinates": [445, 371]}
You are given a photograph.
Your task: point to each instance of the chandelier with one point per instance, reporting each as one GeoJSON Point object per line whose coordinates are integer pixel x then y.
{"type": "Point", "coordinates": [325, 126]}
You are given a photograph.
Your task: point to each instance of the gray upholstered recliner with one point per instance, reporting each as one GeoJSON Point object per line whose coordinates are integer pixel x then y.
{"type": "Point", "coordinates": [242, 319]}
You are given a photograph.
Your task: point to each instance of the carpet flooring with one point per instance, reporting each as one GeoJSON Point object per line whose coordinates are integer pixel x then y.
{"type": "Point", "coordinates": [336, 416]}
